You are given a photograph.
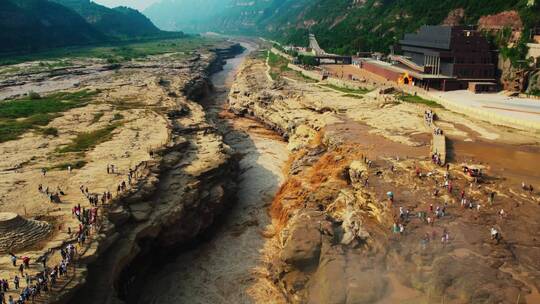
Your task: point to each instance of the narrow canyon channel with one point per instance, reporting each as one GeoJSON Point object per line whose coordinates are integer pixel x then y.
{"type": "Point", "coordinates": [230, 267]}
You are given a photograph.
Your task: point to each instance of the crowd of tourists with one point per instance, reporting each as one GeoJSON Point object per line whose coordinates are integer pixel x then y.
{"type": "Point", "coordinates": [44, 280]}
{"type": "Point", "coordinates": [37, 283]}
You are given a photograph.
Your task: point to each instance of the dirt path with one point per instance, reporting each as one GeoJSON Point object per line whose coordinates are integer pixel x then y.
{"type": "Point", "coordinates": [231, 267]}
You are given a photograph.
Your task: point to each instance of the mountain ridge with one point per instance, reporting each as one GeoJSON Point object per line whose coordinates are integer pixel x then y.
{"type": "Point", "coordinates": [32, 25]}
{"type": "Point", "coordinates": [346, 26]}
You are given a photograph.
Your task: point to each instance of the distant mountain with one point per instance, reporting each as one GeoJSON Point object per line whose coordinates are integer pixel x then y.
{"type": "Point", "coordinates": [226, 16]}
{"type": "Point", "coordinates": [346, 26]}
{"type": "Point", "coordinates": [185, 15]}
{"type": "Point", "coordinates": [341, 26]}
{"type": "Point", "coordinates": [116, 22]}
{"type": "Point", "coordinates": [32, 25]}
{"type": "Point", "coordinates": [29, 25]}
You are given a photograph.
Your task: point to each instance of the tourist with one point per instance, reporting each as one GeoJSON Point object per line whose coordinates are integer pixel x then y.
{"type": "Point", "coordinates": [13, 259]}
{"type": "Point", "coordinates": [491, 198]}
{"type": "Point", "coordinates": [21, 269]}
{"type": "Point", "coordinates": [26, 262]}
{"type": "Point", "coordinates": [395, 228]}
{"type": "Point", "coordinates": [390, 196]}
{"type": "Point", "coordinates": [495, 234]}
{"type": "Point", "coordinates": [502, 214]}
{"type": "Point", "coordinates": [463, 202]}
{"type": "Point", "coordinates": [43, 172]}
{"type": "Point", "coordinates": [10, 300]}
{"type": "Point", "coordinates": [16, 282]}
{"type": "Point", "coordinates": [108, 169]}
{"type": "Point", "coordinates": [69, 169]}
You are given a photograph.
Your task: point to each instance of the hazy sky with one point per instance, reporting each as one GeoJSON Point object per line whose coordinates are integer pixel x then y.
{"type": "Point", "coordinates": [138, 4]}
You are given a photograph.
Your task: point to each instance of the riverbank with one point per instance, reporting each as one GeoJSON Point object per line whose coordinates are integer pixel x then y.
{"type": "Point", "coordinates": [171, 163]}
{"type": "Point", "coordinates": [334, 219]}
{"type": "Point", "coordinates": [230, 264]}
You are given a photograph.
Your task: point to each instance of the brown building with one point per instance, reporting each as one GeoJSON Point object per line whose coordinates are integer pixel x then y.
{"type": "Point", "coordinates": [459, 54]}
{"type": "Point", "coordinates": [441, 57]}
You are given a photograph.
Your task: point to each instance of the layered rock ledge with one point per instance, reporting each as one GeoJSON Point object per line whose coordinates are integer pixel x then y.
{"type": "Point", "coordinates": [338, 228]}
{"type": "Point", "coordinates": [181, 173]}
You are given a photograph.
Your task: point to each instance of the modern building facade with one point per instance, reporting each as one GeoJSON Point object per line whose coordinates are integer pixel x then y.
{"type": "Point", "coordinates": [448, 57]}
{"type": "Point", "coordinates": [440, 57]}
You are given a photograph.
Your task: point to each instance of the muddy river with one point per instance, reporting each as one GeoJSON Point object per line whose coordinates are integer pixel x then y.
{"type": "Point", "coordinates": [231, 266]}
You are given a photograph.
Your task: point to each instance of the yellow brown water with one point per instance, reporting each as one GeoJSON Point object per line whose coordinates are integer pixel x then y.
{"type": "Point", "coordinates": [517, 163]}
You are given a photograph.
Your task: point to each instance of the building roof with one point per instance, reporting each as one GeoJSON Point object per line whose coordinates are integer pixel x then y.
{"type": "Point", "coordinates": [435, 36]}
{"type": "Point", "coordinates": [431, 36]}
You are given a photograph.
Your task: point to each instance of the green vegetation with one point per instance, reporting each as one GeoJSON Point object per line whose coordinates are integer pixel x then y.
{"type": "Point", "coordinates": [342, 27]}
{"type": "Point", "coordinates": [35, 105]}
{"type": "Point", "coordinates": [535, 92]}
{"type": "Point", "coordinates": [278, 65]}
{"type": "Point", "coordinates": [118, 52]}
{"type": "Point", "coordinates": [28, 26]}
{"type": "Point", "coordinates": [97, 117]}
{"type": "Point", "coordinates": [50, 132]}
{"type": "Point", "coordinates": [117, 116]}
{"type": "Point", "coordinates": [114, 22]}
{"type": "Point", "coordinates": [276, 61]}
{"type": "Point", "coordinates": [353, 96]}
{"type": "Point", "coordinates": [419, 100]}
{"type": "Point", "coordinates": [78, 164]}
{"type": "Point", "coordinates": [307, 60]}
{"type": "Point", "coordinates": [346, 90]}
{"type": "Point", "coordinates": [303, 77]}
{"type": "Point", "coordinates": [88, 140]}
{"type": "Point", "coordinates": [22, 115]}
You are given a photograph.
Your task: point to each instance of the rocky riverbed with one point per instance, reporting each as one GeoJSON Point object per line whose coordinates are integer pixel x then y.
{"type": "Point", "coordinates": [143, 118]}
{"type": "Point", "coordinates": [334, 221]}
{"type": "Point", "coordinates": [244, 189]}
{"type": "Point", "coordinates": [232, 265]}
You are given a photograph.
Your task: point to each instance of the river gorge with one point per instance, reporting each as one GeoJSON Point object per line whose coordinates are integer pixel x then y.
{"type": "Point", "coordinates": [230, 266]}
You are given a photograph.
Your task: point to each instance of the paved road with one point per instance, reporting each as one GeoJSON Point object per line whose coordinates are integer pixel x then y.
{"type": "Point", "coordinates": [511, 107]}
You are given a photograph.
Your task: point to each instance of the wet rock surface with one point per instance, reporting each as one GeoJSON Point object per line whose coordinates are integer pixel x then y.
{"type": "Point", "coordinates": [335, 220]}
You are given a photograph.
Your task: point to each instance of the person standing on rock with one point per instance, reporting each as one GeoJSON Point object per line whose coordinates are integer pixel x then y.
{"type": "Point", "coordinates": [495, 235]}
{"type": "Point", "coordinates": [491, 198]}
{"type": "Point", "coordinates": [16, 282]}
{"type": "Point", "coordinates": [26, 262]}
{"type": "Point", "coordinates": [13, 259]}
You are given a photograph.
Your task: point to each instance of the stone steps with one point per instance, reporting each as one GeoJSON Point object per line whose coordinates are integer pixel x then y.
{"type": "Point", "coordinates": [17, 232]}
